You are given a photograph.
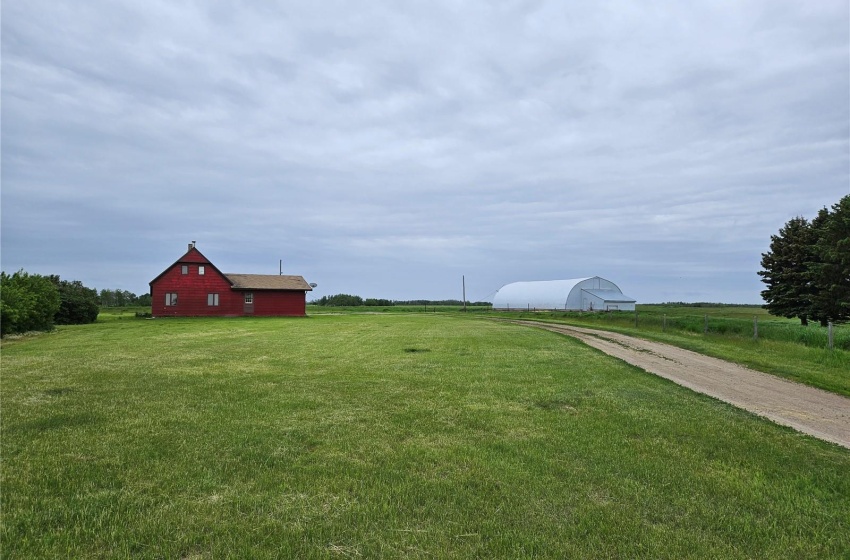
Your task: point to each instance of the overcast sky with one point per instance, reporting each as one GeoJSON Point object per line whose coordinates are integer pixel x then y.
{"type": "Point", "coordinates": [385, 149]}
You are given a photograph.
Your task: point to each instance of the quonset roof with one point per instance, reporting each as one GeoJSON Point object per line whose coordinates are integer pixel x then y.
{"type": "Point", "coordinates": [559, 294]}
{"type": "Point", "coordinates": [545, 294]}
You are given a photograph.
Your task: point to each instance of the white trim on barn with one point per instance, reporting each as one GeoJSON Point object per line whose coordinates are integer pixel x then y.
{"type": "Point", "coordinates": [576, 294]}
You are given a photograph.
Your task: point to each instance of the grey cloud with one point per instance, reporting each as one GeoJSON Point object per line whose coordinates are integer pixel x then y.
{"type": "Point", "coordinates": [522, 139]}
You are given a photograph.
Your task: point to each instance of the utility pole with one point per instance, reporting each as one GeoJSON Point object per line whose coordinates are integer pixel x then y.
{"type": "Point", "coordinates": [464, 292]}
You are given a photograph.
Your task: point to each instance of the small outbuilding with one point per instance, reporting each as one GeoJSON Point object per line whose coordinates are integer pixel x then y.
{"type": "Point", "coordinates": [576, 294]}
{"type": "Point", "coordinates": [193, 286]}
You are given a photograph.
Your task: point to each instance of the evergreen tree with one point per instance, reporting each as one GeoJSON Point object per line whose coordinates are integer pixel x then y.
{"type": "Point", "coordinates": [830, 264]}
{"type": "Point", "coordinates": [786, 271]}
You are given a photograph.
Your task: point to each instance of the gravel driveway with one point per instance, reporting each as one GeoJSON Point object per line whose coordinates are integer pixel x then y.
{"type": "Point", "coordinates": [812, 411]}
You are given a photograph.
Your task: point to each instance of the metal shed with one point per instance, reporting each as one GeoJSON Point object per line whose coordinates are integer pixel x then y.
{"type": "Point", "coordinates": [577, 294]}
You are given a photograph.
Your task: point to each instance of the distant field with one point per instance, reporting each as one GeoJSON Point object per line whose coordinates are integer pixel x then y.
{"type": "Point", "coordinates": [115, 313]}
{"type": "Point", "coordinates": [389, 435]}
{"type": "Point", "coordinates": [323, 310]}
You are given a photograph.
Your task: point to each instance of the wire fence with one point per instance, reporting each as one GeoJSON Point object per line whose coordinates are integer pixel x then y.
{"type": "Point", "coordinates": [755, 327]}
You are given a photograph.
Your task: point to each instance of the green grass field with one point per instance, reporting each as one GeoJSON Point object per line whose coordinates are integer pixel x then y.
{"type": "Point", "coordinates": [783, 348]}
{"type": "Point", "coordinates": [388, 435]}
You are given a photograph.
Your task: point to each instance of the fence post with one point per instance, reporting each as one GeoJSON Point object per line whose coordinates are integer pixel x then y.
{"type": "Point", "coordinates": [664, 323]}
{"type": "Point", "coordinates": [636, 318]}
{"type": "Point", "coordinates": [705, 324]}
{"type": "Point", "coordinates": [830, 335]}
{"type": "Point", "coordinates": [755, 327]}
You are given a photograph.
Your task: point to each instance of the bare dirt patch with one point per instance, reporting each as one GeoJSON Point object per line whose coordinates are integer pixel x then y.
{"type": "Point", "coordinates": [809, 410]}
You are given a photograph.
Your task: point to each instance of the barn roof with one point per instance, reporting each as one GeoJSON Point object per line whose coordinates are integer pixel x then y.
{"type": "Point", "coordinates": [268, 282]}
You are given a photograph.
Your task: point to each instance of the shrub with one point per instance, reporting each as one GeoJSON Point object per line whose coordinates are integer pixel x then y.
{"type": "Point", "coordinates": [28, 302]}
{"type": "Point", "coordinates": [79, 305]}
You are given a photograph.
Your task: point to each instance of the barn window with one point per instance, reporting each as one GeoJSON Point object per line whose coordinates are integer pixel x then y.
{"type": "Point", "coordinates": [171, 299]}
{"type": "Point", "coordinates": [185, 269]}
{"type": "Point", "coordinates": [249, 297]}
{"type": "Point", "coordinates": [201, 271]}
{"type": "Point", "coordinates": [212, 299]}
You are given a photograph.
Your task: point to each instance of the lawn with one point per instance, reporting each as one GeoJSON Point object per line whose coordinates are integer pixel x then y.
{"type": "Point", "coordinates": [429, 435]}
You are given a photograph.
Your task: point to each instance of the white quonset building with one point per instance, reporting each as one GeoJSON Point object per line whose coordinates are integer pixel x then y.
{"type": "Point", "coordinates": [577, 294]}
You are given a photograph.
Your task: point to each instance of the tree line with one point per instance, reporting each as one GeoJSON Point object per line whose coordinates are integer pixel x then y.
{"type": "Point", "coordinates": [807, 269]}
{"type": "Point", "coordinates": [123, 298]}
{"type": "Point", "coordinates": [32, 302]}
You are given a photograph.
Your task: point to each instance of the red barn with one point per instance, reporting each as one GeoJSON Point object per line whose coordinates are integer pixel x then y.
{"type": "Point", "coordinates": [193, 286]}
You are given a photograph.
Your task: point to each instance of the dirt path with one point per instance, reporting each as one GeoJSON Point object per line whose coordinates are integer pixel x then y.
{"type": "Point", "coordinates": [812, 411]}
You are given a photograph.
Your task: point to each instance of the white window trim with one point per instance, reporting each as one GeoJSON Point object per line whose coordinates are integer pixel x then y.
{"type": "Point", "coordinates": [201, 270]}
{"type": "Point", "coordinates": [212, 300]}
{"type": "Point", "coordinates": [249, 297]}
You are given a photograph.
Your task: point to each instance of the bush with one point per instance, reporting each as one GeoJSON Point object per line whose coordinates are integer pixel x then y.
{"type": "Point", "coordinates": [28, 302]}
{"type": "Point", "coordinates": [79, 305]}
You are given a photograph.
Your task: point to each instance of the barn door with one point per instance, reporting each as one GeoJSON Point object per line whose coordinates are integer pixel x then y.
{"type": "Point", "coordinates": [248, 308]}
